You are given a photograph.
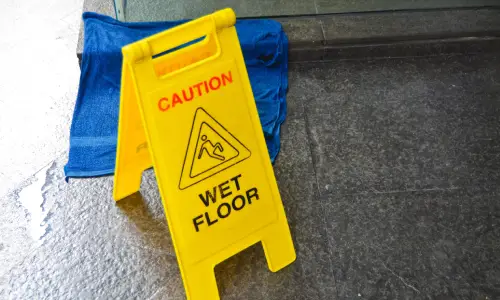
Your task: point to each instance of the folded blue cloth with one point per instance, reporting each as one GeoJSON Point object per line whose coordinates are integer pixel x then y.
{"type": "Point", "coordinates": [93, 132]}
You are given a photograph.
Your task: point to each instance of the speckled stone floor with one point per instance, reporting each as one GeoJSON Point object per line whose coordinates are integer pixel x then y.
{"type": "Point", "coordinates": [389, 174]}
{"type": "Point", "coordinates": [160, 10]}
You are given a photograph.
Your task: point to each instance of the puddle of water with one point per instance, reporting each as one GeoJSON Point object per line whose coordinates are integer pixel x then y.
{"type": "Point", "coordinates": [31, 198]}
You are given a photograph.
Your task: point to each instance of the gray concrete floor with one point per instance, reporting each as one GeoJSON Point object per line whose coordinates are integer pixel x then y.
{"type": "Point", "coordinates": [39, 79]}
{"type": "Point", "coordinates": [389, 174]}
{"type": "Point", "coordinates": [141, 10]}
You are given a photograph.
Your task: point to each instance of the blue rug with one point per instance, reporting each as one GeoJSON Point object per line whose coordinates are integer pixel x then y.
{"type": "Point", "coordinates": [93, 132]}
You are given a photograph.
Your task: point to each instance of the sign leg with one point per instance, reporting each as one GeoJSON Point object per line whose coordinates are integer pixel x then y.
{"type": "Point", "coordinates": [278, 247]}
{"type": "Point", "coordinates": [132, 153]}
{"type": "Point", "coordinates": [200, 283]}
{"type": "Point", "coordinates": [127, 183]}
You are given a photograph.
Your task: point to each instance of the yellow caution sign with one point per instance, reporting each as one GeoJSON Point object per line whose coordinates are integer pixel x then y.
{"type": "Point", "coordinates": [193, 105]}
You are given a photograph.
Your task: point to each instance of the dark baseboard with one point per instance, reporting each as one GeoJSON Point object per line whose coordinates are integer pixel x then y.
{"type": "Point", "coordinates": [379, 34]}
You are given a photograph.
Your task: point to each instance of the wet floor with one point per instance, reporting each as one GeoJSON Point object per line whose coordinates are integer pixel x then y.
{"type": "Point", "coordinates": [39, 79]}
{"type": "Point", "coordinates": [388, 174]}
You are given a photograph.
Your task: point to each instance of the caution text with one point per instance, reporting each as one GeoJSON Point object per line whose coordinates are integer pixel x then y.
{"type": "Point", "coordinates": [195, 91]}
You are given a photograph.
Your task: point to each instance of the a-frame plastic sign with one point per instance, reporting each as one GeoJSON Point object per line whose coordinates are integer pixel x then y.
{"type": "Point", "coordinates": [190, 111]}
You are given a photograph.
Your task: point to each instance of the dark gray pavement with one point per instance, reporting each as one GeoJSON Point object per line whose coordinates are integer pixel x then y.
{"type": "Point", "coordinates": [160, 10]}
{"type": "Point", "coordinates": [389, 174]}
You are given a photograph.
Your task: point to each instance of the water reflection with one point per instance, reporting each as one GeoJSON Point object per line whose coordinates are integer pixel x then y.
{"type": "Point", "coordinates": [31, 198]}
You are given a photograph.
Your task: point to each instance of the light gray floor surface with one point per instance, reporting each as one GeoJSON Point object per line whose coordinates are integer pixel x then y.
{"type": "Point", "coordinates": [389, 174]}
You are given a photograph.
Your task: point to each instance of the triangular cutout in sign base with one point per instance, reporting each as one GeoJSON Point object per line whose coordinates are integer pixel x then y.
{"type": "Point", "coordinates": [211, 148]}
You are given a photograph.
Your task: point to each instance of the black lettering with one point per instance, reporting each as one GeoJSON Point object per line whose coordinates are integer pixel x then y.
{"type": "Point", "coordinates": [223, 189]}
{"type": "Point", "coordinates": [252, 193]}
{"type": "Point", "coordinates": [235, 179]}
{"type": "Point", "coordinates": [197, 222]}
{"type": "Point", "coordinates": [208, 197]}
{"type": "Point", "coordinates": [235, 207]}
{"type": "Point", "coordinates": [210, 222]}
{"type": "Point", "coordinates": [228, 210]}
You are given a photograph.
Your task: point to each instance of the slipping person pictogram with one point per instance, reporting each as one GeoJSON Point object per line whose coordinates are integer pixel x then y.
{"type": "Point", "coordinates": [206, 144]}
{"type": "Point", "coordinates": [211, 148]}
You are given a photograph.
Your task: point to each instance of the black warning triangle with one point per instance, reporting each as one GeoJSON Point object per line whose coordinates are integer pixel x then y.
{"type": "Point", "coordinates": [211, 149]}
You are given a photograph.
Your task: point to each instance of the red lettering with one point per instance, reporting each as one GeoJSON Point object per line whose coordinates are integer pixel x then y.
{"type": "Point", "coordinates": [206, 86]}
{"type": "Point", "coordinates": [191, 95]}
{"type": "Point", "coordinates": [198, 87]}
{"type": "Point", "coordinates": [213, 84]}
{"type": "Point", "coordinates": [212, 80]}
{"type": "Point", "coordinates": [163, 104]}
{"type": "Point", "coordinates": [176, 100]}
{"type": "Point", "coordinates": [228, 78]}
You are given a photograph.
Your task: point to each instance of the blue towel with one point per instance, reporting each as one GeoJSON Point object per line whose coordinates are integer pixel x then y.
{"type": "Point", "coordinates": [93, 132]}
